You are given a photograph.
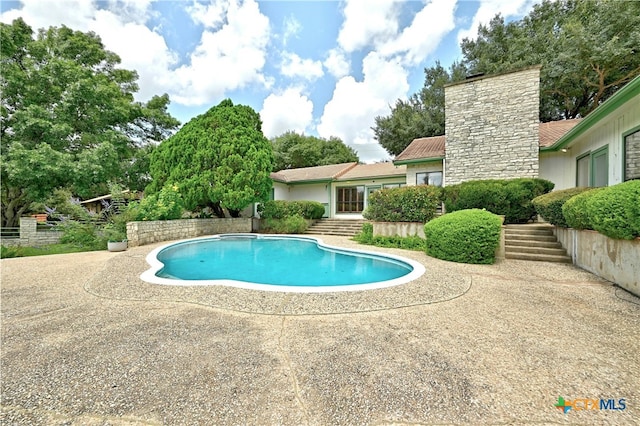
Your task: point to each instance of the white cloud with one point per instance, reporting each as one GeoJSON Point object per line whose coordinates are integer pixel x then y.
{"type": "Point", "coordinates": [294, 66]}
{"type": "Point", "coordinates": [350, 113]}
{"type": "Point", "coordinates": [227, 59]}
{"type": "Point", "coordinates": [288, 111]}
{"type": "Point", "coordinates": [489, 8]}
{"type": "Point", "coordinates": [423, 36]}
{"type": "Point", "coordinates": [291, 28]}
{"type": "Point", "coordinates": [57, 13]}
{"type": "Point", "coordinates": [210, 15]}
{"type": "Point", "coordinates": [366, 22]}
{"type": "Point", "coordinates": [337, 63]}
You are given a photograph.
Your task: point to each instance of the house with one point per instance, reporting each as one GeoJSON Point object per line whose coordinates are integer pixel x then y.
{"type": "Point", "coordinates": [492, 131]}
{"type": "Point", "coordinates": [343, 189]}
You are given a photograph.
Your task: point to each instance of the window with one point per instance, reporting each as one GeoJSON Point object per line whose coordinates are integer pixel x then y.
{"type": "Point", "coordinates": [592, 168]}
{"type": "Point", "coordinates": [391, 185]}
{"type": "Point", "coordinates": [632, 156]}
{"type": "Point", "coordinates": [350, 199]}
{"type": "Point", "coordinates": [429, 178]}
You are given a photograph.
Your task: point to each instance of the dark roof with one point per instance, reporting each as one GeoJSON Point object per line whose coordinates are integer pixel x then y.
{"type": "Point", "coordinates": [550, 132]}
{"type": "Point", "coordinates": [423, 148]}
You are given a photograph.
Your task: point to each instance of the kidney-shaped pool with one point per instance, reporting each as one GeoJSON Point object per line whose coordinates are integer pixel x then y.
{"type": "Point", "coordinates": [277, 263]}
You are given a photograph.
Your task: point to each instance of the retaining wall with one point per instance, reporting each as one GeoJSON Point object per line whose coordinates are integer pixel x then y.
{"type": "Point", "coordinates": [401, 229]}
{"type": "Point", "coordinates": [30, 236]}
{"type": "Point", "coordinates": [617, 261]}
{"type": "Point", "coordinates": [148, 232]}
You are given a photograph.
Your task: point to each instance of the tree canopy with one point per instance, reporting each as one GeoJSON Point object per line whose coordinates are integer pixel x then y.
{"type": "Point", "coordinates": [292, 150]}
{"type": "Point", "coordinates": [219, 159]}
{"type": "Point", "coordinates": [588, 50]}
{"type": "Point", "coordinates": [68, 118]}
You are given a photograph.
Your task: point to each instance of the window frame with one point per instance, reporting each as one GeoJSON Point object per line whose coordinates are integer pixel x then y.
{"type": "Point", "coordinates": [427, 174]}
{"type": "Point", "coordinates": [342, 201]}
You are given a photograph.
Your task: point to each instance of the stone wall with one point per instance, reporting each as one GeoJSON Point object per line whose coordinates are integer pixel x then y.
{"type": "Point", "coordinates": [30, 236]}
{"type": "Point", "coordinates": [148, 232]}
{"type": "Point", "coordinates": [400, 229]}
{"type": "Point", "coordinates": [491, 125]}
{"type": "Point", "coordinates": [617, 261]}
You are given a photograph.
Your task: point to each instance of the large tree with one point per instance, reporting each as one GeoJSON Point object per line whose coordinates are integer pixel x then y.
{"type": "Point", "coordinates": [588, 50]}
{"type": "Point", "coordinates": [219, 159]}
{"type": "Point", "coordinates": [421, 115]}
{"type": "Point", "coordinates": [292, 150]}
{"type": "Point", "coordinates": [68, 118]}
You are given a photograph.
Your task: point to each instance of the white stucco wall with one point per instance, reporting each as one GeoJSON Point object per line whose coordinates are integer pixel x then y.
{"type": "Point", "coordinates": [560, 167]}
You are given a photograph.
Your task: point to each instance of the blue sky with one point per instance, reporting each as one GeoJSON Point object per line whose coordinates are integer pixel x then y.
{"type": "Point", "coordinates": [324, 68]}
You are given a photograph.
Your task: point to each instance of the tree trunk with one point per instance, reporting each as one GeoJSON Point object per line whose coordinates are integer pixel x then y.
{"type": "Point", "coordinates": [217, 209]}
{"type": "Point", "coordinates": [234, 213]}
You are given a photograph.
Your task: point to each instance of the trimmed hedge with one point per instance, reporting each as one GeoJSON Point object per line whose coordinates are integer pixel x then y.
{"type": "Point", "coordinates": [406, 204]}
{"type": "Point", "coordinates": [465, 236]}
{"type": "Point", "coordinates": [295, 224]}
{"type": "Point", "coordinates": [615, 211]}
{"type": "Point", "coordinates": [575, 211]}
{"type": "Point", "coordinates": [281, 209]}
{"type": "Point", "coordinates": [549, 206]}
{"type": "Point", "coordinates": [508, 197]}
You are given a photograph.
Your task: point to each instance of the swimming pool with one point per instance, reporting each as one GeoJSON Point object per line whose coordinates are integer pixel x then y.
{"type": "Point", "coordinates": [275, 263]}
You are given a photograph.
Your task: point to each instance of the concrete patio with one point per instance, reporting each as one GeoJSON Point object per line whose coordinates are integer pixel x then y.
{"type": "Point", "coordinates": [86, 342]}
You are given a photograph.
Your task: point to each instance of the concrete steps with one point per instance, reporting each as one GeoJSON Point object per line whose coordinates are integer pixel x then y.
{"type": "Point", "coordinates": [534, 242]}
{"type": "Point", "coordinates": [347, 228]}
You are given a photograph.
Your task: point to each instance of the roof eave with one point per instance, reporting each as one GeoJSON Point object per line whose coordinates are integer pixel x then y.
{"type": "Point", "coordinates": [619, 98]}
{"type": "Point", "coordinates": [418, 160]}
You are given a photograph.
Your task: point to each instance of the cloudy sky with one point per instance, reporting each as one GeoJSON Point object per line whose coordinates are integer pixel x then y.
{"type": "Point", "coordinates": [325, 68]}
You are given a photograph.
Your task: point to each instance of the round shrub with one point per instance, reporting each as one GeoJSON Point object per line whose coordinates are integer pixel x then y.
{"type": "Point", "coordinates": [465, 236]}
{"type": "Point", "coordinates": [549, 206]}
{"type": "Point", "coordinates": [510, 198]}
{"type": "Point", "coordinates": [406, 204]}
{"type": "Point", "coordinates": [615, 211]}
{"type": "Point", "coordinates": [575, 210]}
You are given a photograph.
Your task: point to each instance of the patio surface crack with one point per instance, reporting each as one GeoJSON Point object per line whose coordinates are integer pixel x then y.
{"type": "Point", "coordinates": [292, 374]}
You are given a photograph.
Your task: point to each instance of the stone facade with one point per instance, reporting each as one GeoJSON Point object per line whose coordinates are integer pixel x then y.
{"type": "Point", "coordinates": [632, 156]}
{"type": "Point", "coordinates": [491, 125]}
{"type": "Point", "coordinates": [141, 233]}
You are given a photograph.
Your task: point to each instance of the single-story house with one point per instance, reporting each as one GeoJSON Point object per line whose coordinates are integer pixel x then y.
{"type": "Point", "coordinates": [492, 131]}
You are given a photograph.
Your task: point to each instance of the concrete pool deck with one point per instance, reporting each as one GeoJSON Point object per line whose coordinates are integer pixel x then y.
{"type": "Point", "coordinates": [85, 341]}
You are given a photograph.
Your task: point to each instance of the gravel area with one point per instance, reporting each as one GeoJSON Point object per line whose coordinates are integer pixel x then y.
{"type": "Point", "coordinates": [86, 342]}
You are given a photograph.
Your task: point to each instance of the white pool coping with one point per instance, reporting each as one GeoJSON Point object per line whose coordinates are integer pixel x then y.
{"type": "Point", "coordinates": [155, 265]}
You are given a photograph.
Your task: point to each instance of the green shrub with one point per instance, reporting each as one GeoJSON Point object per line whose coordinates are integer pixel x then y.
{"type": "Point", "coordinates": [7, 252]}
{"type": "Point", "coordinates": [281, 209]}
{"type": "Point", "coordinates": [466, 236]}
{"type": "Point", "coordinates": [575, 211]}
{"type": "Point", "coordinates": [82, 234]}
{"type": "Point", "coordinates": [510, 198]}
{"type": "Point", "coordinates": [165, 205]}
{"type": "Point", "coordinates": [549, 206]}
{"type": "Point", "coordinates": [406, 204]}
{"type": "Point", "coordinates": [407, 243]}
{"type": "Point", "coordinates": [615, 211]}
{"type": "Point", "coordinates": [295, 224]}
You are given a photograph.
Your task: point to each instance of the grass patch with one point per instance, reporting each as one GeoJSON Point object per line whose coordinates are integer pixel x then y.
{"type": "Point", "coordinates": [8, 251]}
{"type": "Point", "coordinates": [407, 243]}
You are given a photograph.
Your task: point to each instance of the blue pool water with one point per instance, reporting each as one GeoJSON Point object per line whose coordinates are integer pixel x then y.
{"type": "Point", "coordinates": [275, 261]}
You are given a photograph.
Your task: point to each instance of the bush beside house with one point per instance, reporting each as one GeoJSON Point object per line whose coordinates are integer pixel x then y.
{"type": "Point", "coordinates": [615, 210]}
{"type": "Point", "coordinates": [510, 198]}
{"type": "Point", "coordinates": [406, 204]}
{"type": "Point", "coordinates": [549, 205]}
{"type": "Point", "coordinates": [289, 217]}
{"type": "Point", "coordinates": [465, 236]}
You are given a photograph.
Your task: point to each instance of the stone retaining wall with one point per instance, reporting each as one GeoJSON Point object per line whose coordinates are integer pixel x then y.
{"type": "Point", "coordinates": [148, 232]}
{"type": "Point", "coordinates": [30, 236]}
{"type": "Point", "coordinates": [401, 229]}
{"type": "Point", "coordinates": [617, 261]}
